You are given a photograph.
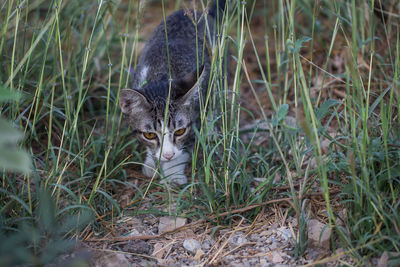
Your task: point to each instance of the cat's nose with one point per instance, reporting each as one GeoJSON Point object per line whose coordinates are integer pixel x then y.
{"type": "Point", "coordinates": [169, 156]}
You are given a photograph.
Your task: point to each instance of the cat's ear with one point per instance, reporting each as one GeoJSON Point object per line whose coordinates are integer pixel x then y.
{"type": "Point", "coordinates": [132, 102]}
{"type": "Point", "coordinates": [190, 86]}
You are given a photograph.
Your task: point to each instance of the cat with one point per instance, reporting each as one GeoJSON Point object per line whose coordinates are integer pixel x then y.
{"type": "Point", "coordinates": [169, 82]}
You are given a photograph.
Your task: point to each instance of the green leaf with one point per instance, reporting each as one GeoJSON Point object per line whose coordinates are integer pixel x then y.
{"type": "Point", "coordinates": [8, 134]}
{"type": "Point", "coordinates": [47, 211]}
{"type": "Point", "coordinates": [324, 108]}
{"type": "Point", "coordinates": [280, 114]}
{"type": "Point", "coordinates": [12, 158]}
{"type": "Point", "coordinates": [295, 47]}
{"type": "Point", "coordinates": [15, 160]}
{"type": "Point", "coordinates": [7, 95]}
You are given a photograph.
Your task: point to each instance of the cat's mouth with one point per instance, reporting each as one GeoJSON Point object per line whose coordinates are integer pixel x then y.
{"type": "Point", "coordinates": [168, 159]}
{"type": "Point", "coordinates": [169, 156]}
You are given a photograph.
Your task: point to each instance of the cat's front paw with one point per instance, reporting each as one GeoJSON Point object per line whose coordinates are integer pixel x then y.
{"type": "Point", "coordinates": [149, 168]}
{"type": "Point", "coordinates": [177, 179]}
{"type": "Point", "coordinates": [180, 180]}
{"type": "Point", "coordinates": [148, 171]}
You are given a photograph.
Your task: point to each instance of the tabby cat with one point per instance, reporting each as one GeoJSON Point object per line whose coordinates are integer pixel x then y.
{"type": "Point", "coordinates": [172, 72]}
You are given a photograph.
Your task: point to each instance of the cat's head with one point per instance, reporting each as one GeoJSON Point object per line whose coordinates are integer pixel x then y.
{"type": "Point", "coordinates": [146, 109]}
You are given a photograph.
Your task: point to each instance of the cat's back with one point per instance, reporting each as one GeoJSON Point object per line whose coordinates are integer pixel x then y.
{"type": "Point", "coordinates": [181, 27]}
{"type": "Point", "coordinates": [184, 41]}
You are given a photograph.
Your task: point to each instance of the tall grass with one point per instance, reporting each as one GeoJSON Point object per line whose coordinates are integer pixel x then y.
{"type": "Point", "coordinates": [71, 58]}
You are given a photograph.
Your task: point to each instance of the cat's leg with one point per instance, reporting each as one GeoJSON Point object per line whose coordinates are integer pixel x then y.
{"type": "Point", "coordinates": [149, 166]}
{"type": "Point", "coordinates": [174, 170]}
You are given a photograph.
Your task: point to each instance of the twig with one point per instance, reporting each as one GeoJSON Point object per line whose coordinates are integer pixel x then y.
{"type": "Point", "coordinates": [223, 246]}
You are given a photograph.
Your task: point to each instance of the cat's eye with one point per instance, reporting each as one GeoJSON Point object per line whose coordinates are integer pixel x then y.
{"type": "Point", "coordinates": [180, 132]}
{"type": "Point", "coordinates": [150, 135]}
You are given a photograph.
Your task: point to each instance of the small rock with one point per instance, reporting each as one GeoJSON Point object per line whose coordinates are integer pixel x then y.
{"type": "Point", "coordinates": [313, 163]}
{"type": "Point", "coordinates": [285, 233]}
{"type": "Point", "coordinates": [291, 121]}
{"type": "Point", "coordinates": [191, 245]}
{"type": "Point", "coordinates": [237, 239]}
{"type": "Point", "coordinates": [276, 257]}
{"type": "Point", "coordinates": [270, 240]}
{"type": "Point", "coordinates": [340, 251]}
{"type": "Point", "coordinates": [199, 254]}
{"type": "Point", "coordinates": [318, 233]}
{"type": "Point", "coordinates": [293, 221]}
{"type": "Point", "coordinates": [313, 254]}
{"type": "Point", "coordinates": [184, 234]}
{"type": "Point", "coordinates": [277, 178]}
{"type": "Point", "coordinates": [110, 260]}
{"type": "Point", "coordinates": [254, 237]}
{"type": "Point", "coordinates": [229, 257]}
{"type": "Point", "coordinates": [259, 180]}
{"type": "Point", "coordinates": [237, 263]}
{"type": "Point", "coordinates": [266, 233]}
{"type": "Point", "coordinates": [274, 226]}
{"type": "Point", "coordinates": [170, 223]}
{"type": "Point", "coordinates": [342, 217]}
{"type": "Point", "coordinates": [158, 251]}
{"type": "Point", "coordinates": [263, 262]}
{"type": "Point", "coordinates": [137, 246]}
{"type": "Point", "coordinates": [206, 244]}
{"type": "Point", "coordinates": [273, 246]}
{"type": "Point", "coordinates": [134, 232]}
{"type": "Point", "coordinates": [325, 145]}
{"type": "Point", "coordinates": [73, 257]}
{"type": "Point", "coordinates": [383, 260]}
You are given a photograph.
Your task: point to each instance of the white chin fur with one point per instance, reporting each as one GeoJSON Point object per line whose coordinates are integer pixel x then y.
{"type": "Point", "coordinates": [173, 170]}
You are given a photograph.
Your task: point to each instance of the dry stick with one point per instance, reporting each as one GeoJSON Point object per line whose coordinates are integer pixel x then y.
{"type": "Point", "coordinates": [222, 247]}
{"type": "Point", "coordinates": [97, 215]}
{"type": "Point", "coordinates": [100, 217]}
{"type": "Point", "coordinates": [254, 222]}
{"type": "Point", "coordinates": [148, 237]}
{"type": "Point", "coordinates": [235, 248]}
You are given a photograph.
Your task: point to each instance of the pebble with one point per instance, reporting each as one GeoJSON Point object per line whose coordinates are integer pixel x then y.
{"type": "Point", "coordinates": [285, 233]}
{"type": "Point", "coordinates": [314, 230]}
{"type": "Point", "coordinates": [266, 233]}
{"type": "Point", "coordinates": [191, 245]}
{"type": "Point", "coordinates": [263, 262]}
{"type": "Point", "coordinates": [273, 246]}
{"type": "Point", "coordinates": [110, 260]}
{"type": "Point", "coordinates": [169, 223]}
{"type": "Point", "coordinates": [276, 257]}
{"type": "Point", "coordinates": [158, 251]}
{"type": "Point", "coordinates": [270, 240]}
{"type": "Point", "coordinates": [237, 239]}
{"type": "Point", "coordinates": [137, 246]}
{"type": "Point", "coordinates": [199, 254]}
{"type": "Point", "coordinates": [254, 237]}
